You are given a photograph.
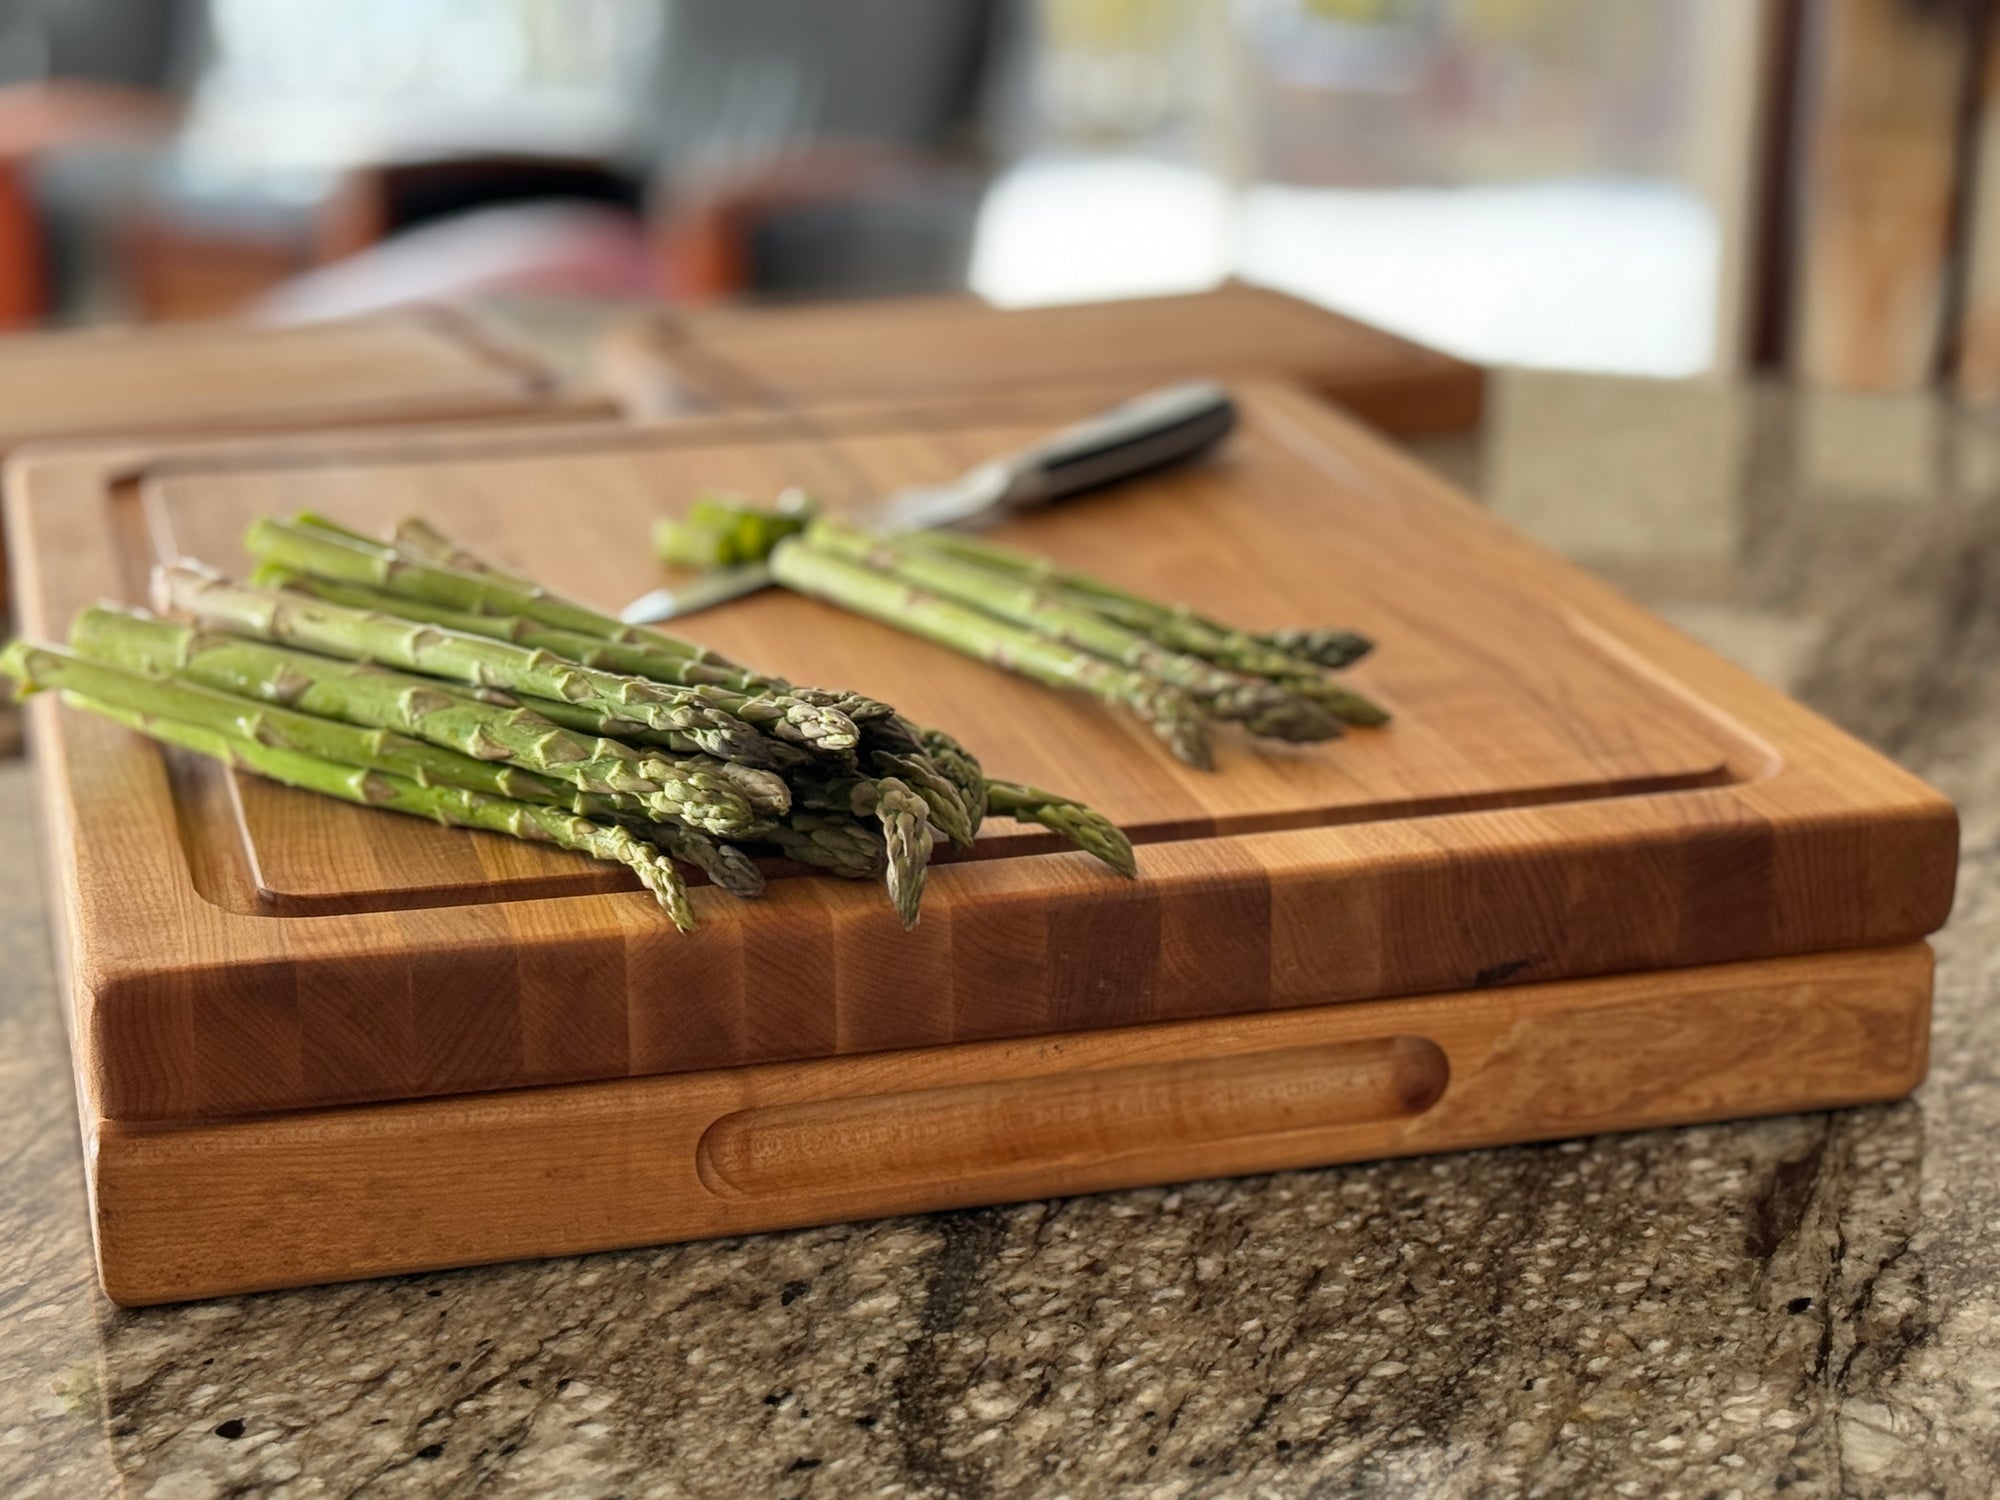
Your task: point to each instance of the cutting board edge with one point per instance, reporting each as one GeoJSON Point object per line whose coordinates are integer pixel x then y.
{"type": "Point", "coordinates": [132, 1010]}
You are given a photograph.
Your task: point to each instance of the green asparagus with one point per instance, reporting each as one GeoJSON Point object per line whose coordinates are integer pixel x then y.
{"type": "Point", "coordinates": [1166, 709]}
{"type": "Point", "coordinates": [1262, 706]}
{"type": "Point", "coordinates": [1088, 830]}
{"type": "Point", "coordinates": [817, 727]}
{"type": "Point", "coordinates": [363, 635]}
{"type": "Point", "coordinates": [376, 697]}
{"type": "Point", "coordinates": [453, 806]}
{"type": "Point", "coordinates": [413, 676]}
{"type": "Point", "coordinates": [39, 668]}
{"type": "Point", "coordinates": [1174, 626]}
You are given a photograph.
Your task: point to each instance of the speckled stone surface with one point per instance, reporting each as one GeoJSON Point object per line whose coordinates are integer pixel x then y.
{"type": "Point", "coordinates": [1810, 1303]}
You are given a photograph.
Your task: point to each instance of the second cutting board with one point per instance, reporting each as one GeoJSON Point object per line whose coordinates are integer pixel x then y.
{"type": "Point", "coordinates": [918, 354]}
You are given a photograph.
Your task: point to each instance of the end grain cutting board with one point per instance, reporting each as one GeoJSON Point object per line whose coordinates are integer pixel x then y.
{"type": "Point", "coordinates": [915, 354]}
{"type": "Point", "coordinates": [1570, 789]}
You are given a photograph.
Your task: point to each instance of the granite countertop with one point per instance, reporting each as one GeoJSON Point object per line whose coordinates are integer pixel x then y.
{"type": "Point", "coordinates": [1810, 1303]}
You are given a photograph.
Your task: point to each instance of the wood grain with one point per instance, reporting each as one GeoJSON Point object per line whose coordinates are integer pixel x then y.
{"type": "Point", "coordinates": [915, 354]}
{"type": "Point", "coordinates": [1571, 789]}
{"type": "Point", "coordinates": [424, 365]}
{"type": "Point", "coordinates": [207, 1210]}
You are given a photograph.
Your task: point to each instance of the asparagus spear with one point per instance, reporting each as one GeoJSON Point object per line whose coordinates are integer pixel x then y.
{"type": "Point", "coordinates": [667, 658]}
{"type": "Point", "coordinates": [421, 540]}
{"type": "Point", "coordinates": [375, 697]}
{"type": "Point", "coordinates": [1261, 706]}
{"type": "Point", "coordinates": [1171, 714]}
{"type": "Point", "coordinates": [362, 635]}
{"type": "Point", "coordinates": [38, 668]}
{"type": "Point", "coordinates": [1329, 648]}
{"type": "Point", "coordinates": [330, 554]}
{"type": "Point", "coordinates": [1088, 830]}
{"type": "Point", "coordinates": [941, 795]}
{"type": "Point", "coordinates": [724, 864]}
{"type": "Point", "coordinates": [817, 727]}
{"type": "Point", "coordinates": [833, 842]}
{"type": "Point", "coordinates": [893, 803]}
{"type": "Point", "coordinates": [906, 830]}
{"type": "Point", "coordinates": [581, 718]}
{"type": "Point", "coordinates": [696, 664]}
{"type": "Point", "coordinates": [963, 771]}
{"type": "Point", "coordinates": [453, 806]}
{"type": "Point", "coordinates": [417, 538]}
{"type": "Point", "coordinates": [1174, 626]}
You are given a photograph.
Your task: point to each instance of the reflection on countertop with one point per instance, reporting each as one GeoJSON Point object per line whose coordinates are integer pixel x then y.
{"type": "Point", "coordinates": [1810, 1302]}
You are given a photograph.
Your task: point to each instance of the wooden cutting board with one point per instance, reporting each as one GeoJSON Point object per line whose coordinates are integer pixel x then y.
{"type": "Point", "coordinates": [1570, 789]}
{"type": "Point", "coordinates": [209, 1210]}
{"type": "Point", "coordinates": [426, 364]}
{"type": "Point", "coordinates": [913, 354]}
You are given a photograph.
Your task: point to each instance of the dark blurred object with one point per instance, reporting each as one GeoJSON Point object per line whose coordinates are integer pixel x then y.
{"type": "Point", "coordinates": [374, 202]}
{"type": "Point", "coordinates": [748, 79]}
{"type": "Point", "coordinates": [90, 90]}
{"type": "Point", "coordinates": [811, 148]}
{"type": "Point", "coordinates": [156, 46]}
{"type": "Point", "coordinates": [840, 217]}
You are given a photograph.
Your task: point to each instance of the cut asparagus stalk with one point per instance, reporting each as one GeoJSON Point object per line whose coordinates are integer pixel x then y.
{"type": "Point", "coordinates": [453, 806]}
{"type": "Point", "coordinates": [1263, 707]}
{"type": "Point", "coordinates": [720, 532]}
{"type": "Point", "coordinates": [1088, 830]}
{"type": "Point", "coordinates": [379, 698]}
{"type": "Point", "coordinates": [362, 635]}
{"type": "Point", "coordinates": [1167, 710]}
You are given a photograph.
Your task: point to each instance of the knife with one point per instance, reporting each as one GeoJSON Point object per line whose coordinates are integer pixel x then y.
{"type": "Point", "coordinates": [1162, 427]}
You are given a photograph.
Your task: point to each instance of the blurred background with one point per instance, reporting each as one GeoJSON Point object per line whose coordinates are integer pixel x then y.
{"type": "Point", "coordinates": [1659, 187]}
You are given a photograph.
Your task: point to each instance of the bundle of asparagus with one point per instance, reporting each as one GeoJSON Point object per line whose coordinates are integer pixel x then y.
{"type": "Point", "coordinates": [409, 675]}
{"type": "Point", "coordinates": [1172, 667]}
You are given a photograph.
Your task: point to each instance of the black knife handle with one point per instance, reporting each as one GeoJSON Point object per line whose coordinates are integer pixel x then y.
{"type": "Point", "coordinates": [1162, 427]}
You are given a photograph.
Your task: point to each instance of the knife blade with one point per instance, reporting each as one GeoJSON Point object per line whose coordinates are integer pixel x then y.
{"type": "Point", "coordinates": [1166, 426]}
